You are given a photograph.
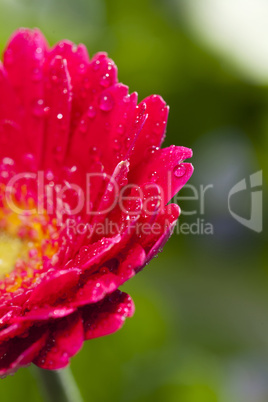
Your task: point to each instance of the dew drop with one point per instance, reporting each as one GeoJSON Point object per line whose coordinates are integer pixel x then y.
{"type": "Point", "coordinates": [116, 144]}
{"type": "Point", "coordinates": [179, 170]}
{"type": "Point", "coordinates": [54, 79]}
{"type": "Point", "coordinates": [91, 112]}
{"type": "Point", "coordinates": [96, 65]}
{"type": "Point", "coordinates": [104, 270]}
{"type": "Point", "coordinates": [82, 68]}
{"type": "Point", "coordinates": [120, 129]}
{"type": "Point", "coordinates": [36, 74]}
{"type": "Point", "coordinates": [83, 126]}
{"type": "Point", "coordinates": [106, 102]}
{"type": "Point", "coordinates": [127, 142]}
{"type": "Point", "coordinates": [46, 110]}
{"type": "Point", "coordinates": [105, 80]}
{"type": "Point", "coordinates": [38, 107]}
{"type": "Point", "coordinates": [49, 175]}
{"type": "Point", "coordinates": [73, 169]}
{"type": "Point", "coordinates": [59, 116]}
{"type": "Point", "coordinates": [94, 154]}
{"type": "Point", "coordinates": [154, 177]}
{"type": "Point", "coordinates": [8, 161]}
{"type": "Point", "coordinates": [126, 99]}
{"type": "Point", "coordinates": [157, 128]}
{"type": "Point", "coordinates": [152, 150]}
{"type": "Point", "coordinates": [29, 160]}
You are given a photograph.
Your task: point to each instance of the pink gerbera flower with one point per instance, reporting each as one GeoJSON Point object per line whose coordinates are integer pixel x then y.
{"type": "Point", "coordinates": [83, 200]}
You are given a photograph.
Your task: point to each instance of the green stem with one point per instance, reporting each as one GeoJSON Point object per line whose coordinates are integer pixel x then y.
{"type": "Point", "coordinates": [58, 385]}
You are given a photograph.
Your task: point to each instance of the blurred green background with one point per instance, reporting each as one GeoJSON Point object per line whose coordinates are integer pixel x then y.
{"type": "Point", "coordinates": [200, 331]}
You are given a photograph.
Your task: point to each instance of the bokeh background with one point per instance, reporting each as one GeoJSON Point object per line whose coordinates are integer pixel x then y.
{"type": "Point", "coordinates": [200, 331]}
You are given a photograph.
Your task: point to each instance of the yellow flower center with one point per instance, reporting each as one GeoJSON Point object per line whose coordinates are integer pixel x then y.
{"type": "Point", "coordinates": [10, 249]}
{"type": "Point", "coordinates": [26, 242]}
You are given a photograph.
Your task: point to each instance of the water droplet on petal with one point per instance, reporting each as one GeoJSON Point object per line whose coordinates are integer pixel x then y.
{"type": "Point", "coordinates": [96, 65]}
{"type": "Point", "coordinates": [8, 161]}
{"type": "Point", "coordinates": [29, 160]}
{"type": "Point", "coordinates": [106, 102]}
{"type": "Point", "coordinates": [127, 142]}
{"type": "Point", "coordinates": [38, 107]}
{"type": "Point", "coordinates": [105, 80]}
{"type": "Point", "coordinates": [36, 74]}
{"type": "Point", "coordinates": [157, 128]}
{"type": "Point", "coordinates": [94, 154]}
{"type": "Point", "coordinates": [120, 129]}
{"type": "Point", "coordinates": [104, 270]}
{"type": "Point", "coordinates": [126, 99]}
{"type": "Point", "coordinates": [116, 144]}
{"type": "Point", "coordinates": [179, 170]}
{"type": "Point", "coordinates": [82, 68]}
{"type": "Point", "coordinates": [46, 110]}
{"type": "Point", "coordinates": [49, 175]}
{"type": "Point", "coordinates": [54, 79]}
{"type": "Point", "coordinates": [154, 177]}
{"type": "Point", "coordinates": [91, 112]}
{"type": "Point", "coordinates": [83, 126]}
{"type": "Point", "coordinates": [152, 150]}
{"type": "Point", "coordinates": [59, 116]}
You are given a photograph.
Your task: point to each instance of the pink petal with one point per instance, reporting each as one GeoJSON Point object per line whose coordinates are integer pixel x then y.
{"type": "Point", "coordinates": [10, 119]}
{"type": "Point", "coordinates": [161, 230]}
{"type": "Point", "coordinates": [107, 316]}
{"type": "Point", "coordinates": [100, 74]}
{"type": "Point", "coordinates": [13, 330]}
{"type": "Point", "coordinates": [24, 61]}
{"type": "Point", "coordinates": [110, 276]}
{"type": "Point", "coordinates": [91, 256]}
{"type": "Point", "coordinates": [7, 312]}
{"type": "Point", "coordinates": [165, 168]}
{"type": "Point", "coordinates": [55, 286]}
{"type": "Point", "coordinates": [20, 352]}
{"type": "Point", "coordinates": [153, 131]}
{"type": "Point", "coordinates": [9, 106]}
{"type": "Point", "coordinates": [58, 102]}
{"type": "Point", "coordinates": [77, 63]}
{"type": "Point", "coordinates": [112, 192]}
{"type": "Point", "coordinates": [104, 128]}
{"type": "Point", "coordinates": [43, 314]}
{"type": "Point", "coordinates": [65, 340]}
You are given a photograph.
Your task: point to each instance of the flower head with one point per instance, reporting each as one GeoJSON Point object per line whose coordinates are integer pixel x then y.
{"type": "Point", "coordinates": [84, 189]}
